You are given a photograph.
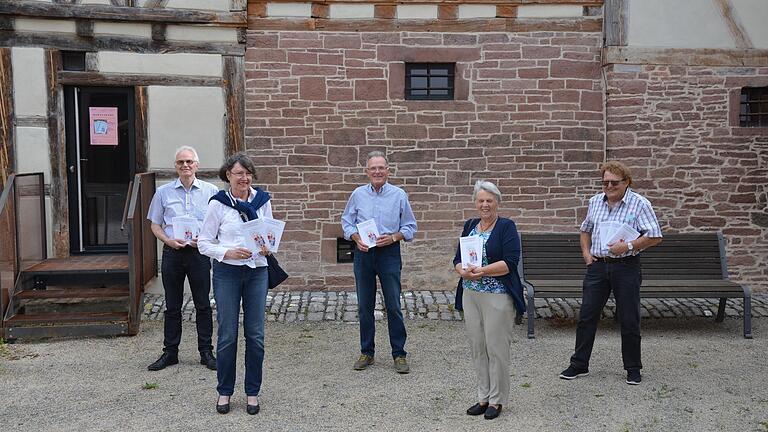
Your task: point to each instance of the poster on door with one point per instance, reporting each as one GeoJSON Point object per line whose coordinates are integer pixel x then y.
{"type": "Point", "coordinates": [103, 122]}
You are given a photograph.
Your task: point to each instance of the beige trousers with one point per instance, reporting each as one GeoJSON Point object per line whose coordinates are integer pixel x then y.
{"type": "Point", "coordinates": [489, 319]}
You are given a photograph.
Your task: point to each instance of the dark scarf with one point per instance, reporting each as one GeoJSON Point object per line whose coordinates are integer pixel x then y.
{"type": "Point", "coordinates": [247, 209]}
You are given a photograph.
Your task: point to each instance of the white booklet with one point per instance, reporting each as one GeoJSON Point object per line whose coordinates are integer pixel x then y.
{"type": "Point", "coordinates": [614, 232]}
{"type": "Point", "coordinates": [185, 228]}
{"type": "Point", "coordinates": [471, 251]}
{"type": "Point", "coordinates": [369, 232]}
{"type": "Point", "coordinates": [263, 232]}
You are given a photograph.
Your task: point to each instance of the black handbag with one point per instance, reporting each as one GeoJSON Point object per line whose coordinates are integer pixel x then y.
{"type": "Point", "coordinates": [275, 273]}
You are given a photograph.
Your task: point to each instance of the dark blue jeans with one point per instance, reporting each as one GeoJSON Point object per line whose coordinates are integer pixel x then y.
{"type": "Point", "coordinates": [177, 265]}
{"type": "Point", "coordinates": [624, 279]}
{"type": "Point", "coordinates": [386, 264]}
{"type": "Point", "coordinates": [231, 284]}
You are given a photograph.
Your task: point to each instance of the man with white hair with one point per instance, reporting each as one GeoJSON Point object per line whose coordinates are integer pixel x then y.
{"type": "Point", "coordinates": [388, 206]}
{"type": "Point", "coordinates": [186, 196]}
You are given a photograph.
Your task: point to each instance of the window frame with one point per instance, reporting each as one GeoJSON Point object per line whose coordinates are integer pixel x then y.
{"type": "Point", "coordinates": [450, 69]}
{"type": "Point", "coordinates": [757, 96]}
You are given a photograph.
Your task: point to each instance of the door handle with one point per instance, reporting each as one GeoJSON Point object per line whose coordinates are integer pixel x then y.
{"type": "Point", "coordinates": [72, 168]}
{"type": "Point", "coordinates": [83, 160]}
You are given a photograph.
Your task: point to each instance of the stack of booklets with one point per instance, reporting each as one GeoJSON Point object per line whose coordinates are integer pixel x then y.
{"type": "Point", "coordinates": [263, 232]}
{"type": "Point", "coordinates": [185, 228]}
{"type": "Point", "coordinates": [615, 232]}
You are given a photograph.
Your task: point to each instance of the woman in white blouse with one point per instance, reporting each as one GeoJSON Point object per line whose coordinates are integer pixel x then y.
{"type": "Point", "coordinates": [238, 276]}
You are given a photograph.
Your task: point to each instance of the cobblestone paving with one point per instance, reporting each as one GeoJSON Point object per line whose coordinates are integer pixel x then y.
{"type": "Point", "coordinates": [300, 306]}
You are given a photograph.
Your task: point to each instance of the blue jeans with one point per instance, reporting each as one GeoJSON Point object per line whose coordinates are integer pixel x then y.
{"type": "Point", "coordinates": [187, 263]}
{"type": "Point", "coordinates": [624, 279]}
{"type": "Point", "coordinates": [386, 264]}
{"type": "Point", "coordinates": [232, 283]}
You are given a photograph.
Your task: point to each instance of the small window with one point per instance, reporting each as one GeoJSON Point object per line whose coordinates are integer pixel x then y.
{"type": "Point", "coordinates": [73, 60]}
{"type": "Point", "coordinates": [753, 109]}
{"type": "Point", "coordinates": [429, 81]}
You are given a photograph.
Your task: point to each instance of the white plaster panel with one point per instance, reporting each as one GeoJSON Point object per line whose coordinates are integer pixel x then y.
{"type": "Point", "coordinates": [215, 5]}
{"type": "Point", "coordinates": [29, 92]}
{"type": "Point", "coordinates": [278, 10]}
{"type": "Point", "coordinates": [98, 2]}
{"type": "Point", "coordinates": [32, 152]}
{"type": "Point", "coordinates": [352, 11]}
{"type": "Point", "coordinates": [169, 64]}
{"type": "Point", "coordinates": [49, 225]}
{"type": "Point", "coordinates": [202, 34]}
{"type": "Point", "coordinates": [753, 15]}
{"type": "Point", "coordinates": [123, 29]}
{"type": "Point", "coordinates": [44, 25]}
{"type": "Point", "coordinates": [191, 116]}
{"type": "Point", "coordinates": [477, 11]}
{"type": "Point", "coordinates": [549, 11]}
{"type": "Point", "coordinates": [417, 11]}
{"type": "Point", "coordinates": [679, 23]}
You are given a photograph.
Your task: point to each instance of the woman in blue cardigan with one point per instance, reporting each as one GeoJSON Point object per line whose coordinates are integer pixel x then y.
{"type": "Point", "coordinates": [490, 295]}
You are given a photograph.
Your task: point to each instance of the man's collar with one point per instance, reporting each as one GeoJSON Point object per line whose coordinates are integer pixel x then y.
{"type": "Point", "coordinates": [383, 187]}
{"type": "Point", "coordinates": [178, 183]}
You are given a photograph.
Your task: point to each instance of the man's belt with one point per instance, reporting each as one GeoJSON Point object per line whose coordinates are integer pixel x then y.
{"type": "Point", "coordinates": [617, 260]}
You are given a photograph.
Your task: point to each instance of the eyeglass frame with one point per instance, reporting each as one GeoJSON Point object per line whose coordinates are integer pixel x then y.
{"type": "Point", "coordinates": [607, 183]}
{"type": "Point", "coordinates": [185, 162]}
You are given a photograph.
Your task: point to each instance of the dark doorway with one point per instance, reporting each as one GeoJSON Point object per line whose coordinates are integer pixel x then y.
{"type": "Point", "coordinates": [101, 161]}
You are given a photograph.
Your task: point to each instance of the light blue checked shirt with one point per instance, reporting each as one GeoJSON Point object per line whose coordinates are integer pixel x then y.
{"type": "Point", "coordinates": [634, 210]}
{"type": "Point", "coordinates": [389, 206]}
{"type": "Point", "coordinates": [171, 200]}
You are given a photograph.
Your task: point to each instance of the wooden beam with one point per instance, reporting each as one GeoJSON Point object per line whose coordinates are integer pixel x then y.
{"type": "Point", "coordinates": [320, 10]}
{"type": "Point", "coordinates": [91, 61]}
{"type": "Point", "coordinates": [57, 148]}
{"type": "Point", "coordinates": [234, 94]}
{"type": "Point", "coordinates": [159, 32]}
{"type": "Point", "coordinates": [735, 26]}
{"type": "Point", "coordinates": [125, 80]}
{"type": "Point", "coordinates": [616, 17]}
{"type": "Point", "coordinates": [6, 22]}
{"type": "Point", "coordinates": [84, 28]}
{"type": "Point", "coordinates": [506, 11]}
{"type": "Point", "coordinates": [120, 13]}
{"type": "Point", "coordinates": [494, 2]}
{"type": "Point", "coordinates": [155, 4]}
{"type": "Point", "coordinates": [142, 128]}
{"type": "Point", "coordinates": [116, 43]}
{"type": "Point", "coordinates": [685, 56]}
{"type": "Point", "coordinates": [581, 24]}
{"type": "Point", "coordinates": [7, 162]}
{"type": "Point", "coordinates": [237, 5]}
{"type": "Point", "coordinates": [447, 11]}
{"type": "Point", "coordinates": [385, 11]}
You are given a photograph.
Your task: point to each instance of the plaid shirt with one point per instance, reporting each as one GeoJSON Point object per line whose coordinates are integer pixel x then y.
{"type": "Point", "coordinates": [634, 210]}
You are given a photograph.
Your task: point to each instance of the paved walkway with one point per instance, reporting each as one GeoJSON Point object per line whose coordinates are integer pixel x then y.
{"type": "Point", "coordinates": [301, 306]}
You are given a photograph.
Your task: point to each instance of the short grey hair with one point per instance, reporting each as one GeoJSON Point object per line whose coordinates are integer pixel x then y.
{"type": "Point", "coordinates": [375, 154]}
{"type": "Point", "coordinates": [485, 185]}
{"type": "Point", "coordinates": [186, 148]}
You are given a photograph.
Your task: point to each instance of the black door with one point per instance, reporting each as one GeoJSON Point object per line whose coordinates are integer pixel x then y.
{"type": "Point", "coordinates": [101, 161]}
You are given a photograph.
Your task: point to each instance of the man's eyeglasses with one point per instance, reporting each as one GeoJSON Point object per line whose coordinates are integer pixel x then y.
{"type": "Point", "coordinates": [185, 162]}
{"type": "Point", "coordinates": [607, 183]}
{"type": "Point", "coordinates": [377, 169]}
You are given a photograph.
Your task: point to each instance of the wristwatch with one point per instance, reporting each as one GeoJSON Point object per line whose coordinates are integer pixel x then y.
{"type": "Point", "coordinates": [630, 247]}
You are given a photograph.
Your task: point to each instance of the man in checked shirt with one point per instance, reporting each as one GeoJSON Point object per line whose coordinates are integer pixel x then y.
{"type": "Point", "coordinates": [613, 268]}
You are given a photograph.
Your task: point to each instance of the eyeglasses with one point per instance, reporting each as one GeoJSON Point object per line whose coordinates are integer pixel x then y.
{"type": "Point", "coordinates": [607, 183]}
{"type": "Point", "coordinates": [185, 162]}
{"type": "Point", "coordinates": [377, 169]}
{"type": "Point", "coordinates": [241, 174]}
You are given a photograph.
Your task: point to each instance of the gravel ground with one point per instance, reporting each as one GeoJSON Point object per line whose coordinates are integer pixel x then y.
{"type": "Point", "coordinates": [698, 376]}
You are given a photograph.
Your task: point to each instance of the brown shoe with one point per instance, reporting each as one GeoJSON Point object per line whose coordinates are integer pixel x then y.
{"type": "Point", "coordinates": [401, 365]}
{"type": "Point", "coordinates": [363, 362]}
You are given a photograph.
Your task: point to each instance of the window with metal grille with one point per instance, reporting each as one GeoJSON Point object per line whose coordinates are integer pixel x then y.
{"type": "Point", "coordinates": [429, 81]}
{"type": "Point", "coordinates": [753, 109]}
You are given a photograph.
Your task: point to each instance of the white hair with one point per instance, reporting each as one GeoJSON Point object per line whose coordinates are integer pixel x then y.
{"type": "Point", "coordinates": [186, 148]}
{"type": "Point", "coordinates": [484, 185]}
{"type": "Point", "coordinates": [375, 154]}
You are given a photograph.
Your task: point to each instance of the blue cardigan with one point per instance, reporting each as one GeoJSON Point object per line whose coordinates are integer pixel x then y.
{"type": "Point", "coordinates": [503, 244]}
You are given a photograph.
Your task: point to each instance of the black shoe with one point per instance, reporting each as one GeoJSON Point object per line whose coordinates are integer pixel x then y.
{"type": "Point", "coordinates": [634, 377]}
{"type": "Point", "coordinates": [208, 360]}
{"type": "Point", "coordinates": [252, 409]}
{"type": "Point", "coordinates": [164, 361]}
{"type": "Point", "coordinates": [222, 409]}
{"type": "Point", "coordinates": [492, 412]}
{"type": "Point", "coordinates": [573, 373]}
{"type": "Point", "coordinates": [477, 409]}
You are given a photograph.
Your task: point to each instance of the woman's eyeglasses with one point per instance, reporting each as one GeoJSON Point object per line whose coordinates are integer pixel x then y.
{"type": "Point", "coordinates": [607, 183]}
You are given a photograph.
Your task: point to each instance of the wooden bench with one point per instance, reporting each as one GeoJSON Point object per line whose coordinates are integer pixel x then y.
{"type": "Point", "coordinates": [682, 266]}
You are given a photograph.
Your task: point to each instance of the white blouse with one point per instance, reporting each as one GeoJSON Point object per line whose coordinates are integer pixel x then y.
{"type": "Point", "coordinates": [221, 232]}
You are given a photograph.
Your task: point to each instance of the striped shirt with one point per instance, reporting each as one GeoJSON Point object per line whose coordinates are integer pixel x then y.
{"type": "Point", "coordinates": [172, 199]}
{"type": "Point", "coordinates": [633, 209]}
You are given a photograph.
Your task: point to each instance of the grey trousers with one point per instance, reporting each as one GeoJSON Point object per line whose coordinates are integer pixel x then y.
{"type": "Point", "coordinates": [489, 319]}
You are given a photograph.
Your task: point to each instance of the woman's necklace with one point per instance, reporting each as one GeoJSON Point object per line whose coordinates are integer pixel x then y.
{"type": "Point", "coordinates": [480, 225]}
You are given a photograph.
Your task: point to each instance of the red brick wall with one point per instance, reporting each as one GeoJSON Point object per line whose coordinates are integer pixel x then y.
{"type": "Point", "coordinates": [530, 118]}
{"type": "Point", "coordinates": [675, 126]}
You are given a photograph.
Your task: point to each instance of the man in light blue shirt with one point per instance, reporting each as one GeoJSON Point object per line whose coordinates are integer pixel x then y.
{"type": "Point", "coordinates": [185, 196]}
{"type": "Point", "coordinates": [388, 205]}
